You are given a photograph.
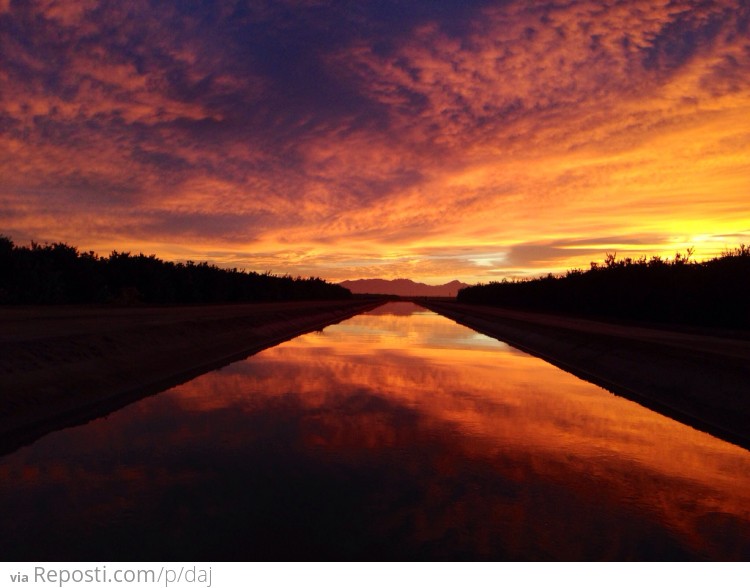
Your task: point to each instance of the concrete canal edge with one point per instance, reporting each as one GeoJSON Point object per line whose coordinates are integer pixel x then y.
{"type": "Point", "coordinates": [62, 367]}
{"type": "Point", "coordinates": [702, 380]}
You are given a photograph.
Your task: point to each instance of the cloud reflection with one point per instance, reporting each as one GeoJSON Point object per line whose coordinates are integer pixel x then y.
{"type": "Point", "coordinates": [498, 404]}
{"type": "Point", "coordinates": [427, 441]}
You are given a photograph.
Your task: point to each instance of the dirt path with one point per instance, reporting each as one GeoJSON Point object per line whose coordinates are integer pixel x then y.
{"type": "Point", "coordinates": [64, 365]}
{"type": "Point", "coordinates": [702, 379]}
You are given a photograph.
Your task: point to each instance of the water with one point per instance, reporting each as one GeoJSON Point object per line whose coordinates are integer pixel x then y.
{"type": "Point", "coordinates": [397, 434]}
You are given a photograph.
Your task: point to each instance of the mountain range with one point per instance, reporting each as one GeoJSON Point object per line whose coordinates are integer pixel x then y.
{"type": "Point", "coordinates": [402, 287]}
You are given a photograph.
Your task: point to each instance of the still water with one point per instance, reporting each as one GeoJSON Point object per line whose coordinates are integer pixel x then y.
{"type": "Point", "coordinates": [397, 434]}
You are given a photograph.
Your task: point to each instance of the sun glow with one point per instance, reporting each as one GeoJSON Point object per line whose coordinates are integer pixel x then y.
{"type": "Point", "coordinates": [529, 139]}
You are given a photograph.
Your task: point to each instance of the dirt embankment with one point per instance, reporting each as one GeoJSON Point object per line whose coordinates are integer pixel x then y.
{"type": "Point", "coordinates": [62, 365]}
{"type": "Point", "coordinates": [699, 378]}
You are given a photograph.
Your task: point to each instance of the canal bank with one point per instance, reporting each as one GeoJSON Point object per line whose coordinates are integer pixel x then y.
{"type": "Point", "coordinates": [700, 379]}
{"type": "Point", "coordinates": [65, 365]}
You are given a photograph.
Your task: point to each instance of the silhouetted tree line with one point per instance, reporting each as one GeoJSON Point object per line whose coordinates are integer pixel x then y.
{"type": "Point", "coordinates": [60, 274]}
{"type": "Point", "coordinates": [714, 293]}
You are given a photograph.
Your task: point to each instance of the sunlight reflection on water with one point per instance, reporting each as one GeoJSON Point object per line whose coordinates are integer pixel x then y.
{"type": "Point", "coordinates": [396, 434]}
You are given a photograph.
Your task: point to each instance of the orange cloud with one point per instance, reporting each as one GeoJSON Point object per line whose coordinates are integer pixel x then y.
{"type": "Point", "coordinates": [438, 153]}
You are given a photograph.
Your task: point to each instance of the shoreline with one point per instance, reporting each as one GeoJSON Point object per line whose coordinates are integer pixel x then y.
{"type": "Point", "coordinates": [699, 379]}
{"type": "Point", "coordinates": [62, 366]}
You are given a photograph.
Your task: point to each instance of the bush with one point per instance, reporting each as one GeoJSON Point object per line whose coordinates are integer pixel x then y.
{"type": "Point", "coordinates": [59, 274]}
{"type": "Point", "coordinates": [712, 293]}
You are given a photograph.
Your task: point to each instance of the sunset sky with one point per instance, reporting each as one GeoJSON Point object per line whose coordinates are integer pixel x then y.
{"type": "Point", "coordinates": [435, 140]}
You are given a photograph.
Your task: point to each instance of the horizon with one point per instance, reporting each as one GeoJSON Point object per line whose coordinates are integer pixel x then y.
{"type": "Point", "coordinates": [689, 255]}
{"type": "Point", "coordinates": [432, 140]}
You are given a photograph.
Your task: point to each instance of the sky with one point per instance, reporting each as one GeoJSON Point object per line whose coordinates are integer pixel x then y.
{"type": "Point", "coordinates": [432, 140]}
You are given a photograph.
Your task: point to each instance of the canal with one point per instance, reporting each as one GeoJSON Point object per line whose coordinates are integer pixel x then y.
{"type": "Point", "coordinates": [396, 434]}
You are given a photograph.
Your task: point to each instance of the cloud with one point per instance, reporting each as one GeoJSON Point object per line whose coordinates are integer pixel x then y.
{"type": "Point", "coordinates": [379, 137]}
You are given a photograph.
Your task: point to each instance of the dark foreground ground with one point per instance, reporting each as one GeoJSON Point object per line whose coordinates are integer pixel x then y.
{"type": "Point", "coordinates": [64, 365]}
{"type": "Point", "coordinates": [701, 378]}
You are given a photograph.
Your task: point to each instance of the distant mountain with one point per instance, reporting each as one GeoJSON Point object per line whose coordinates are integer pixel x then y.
{"type": "Point", "coordinates": [402, 287]}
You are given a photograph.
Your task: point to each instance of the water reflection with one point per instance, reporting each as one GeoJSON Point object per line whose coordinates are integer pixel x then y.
{"type": "Point", "coordinates": [396, 434]}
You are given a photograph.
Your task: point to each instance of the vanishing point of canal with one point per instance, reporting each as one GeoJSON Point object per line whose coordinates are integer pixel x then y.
{"type": "Point", "coordinates": [396, 434]}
